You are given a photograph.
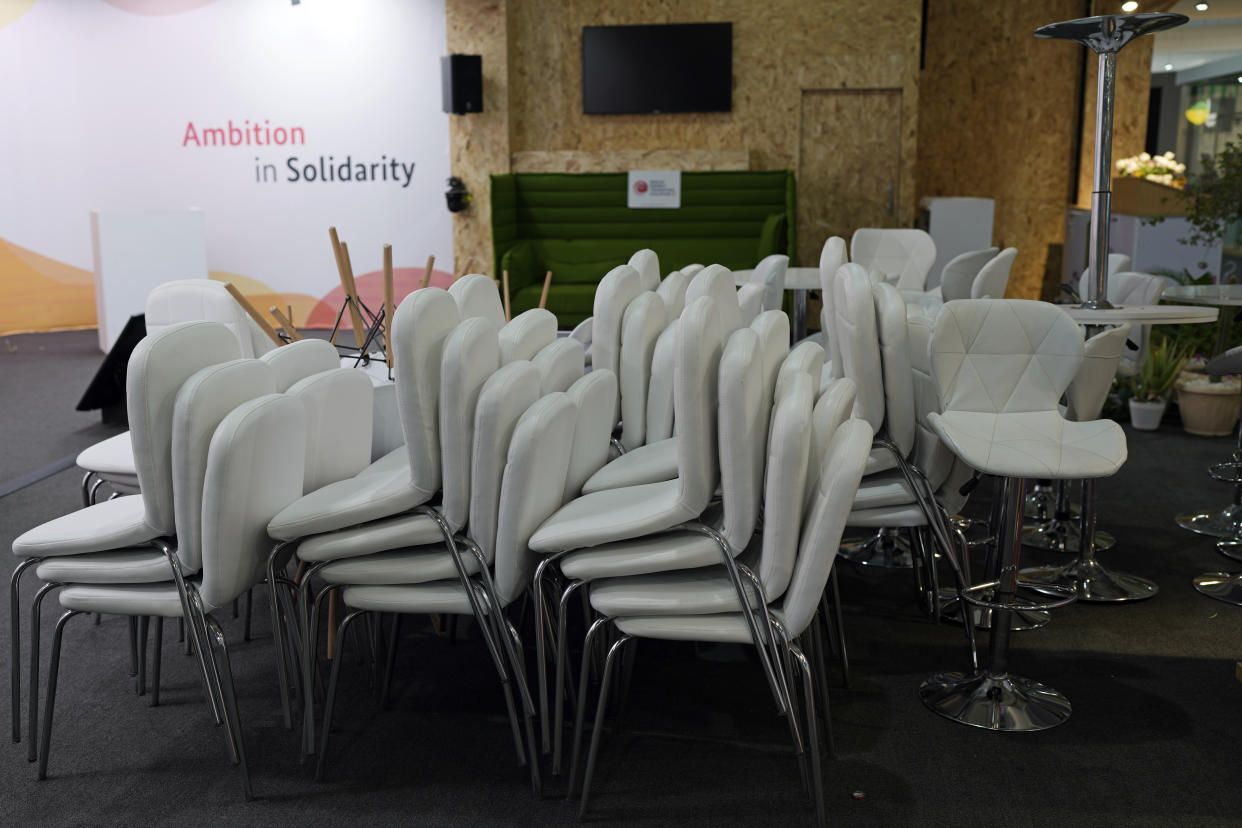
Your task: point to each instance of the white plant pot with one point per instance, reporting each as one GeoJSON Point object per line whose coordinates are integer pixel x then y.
{"type": "Point", "coordinates": [1146, 416]}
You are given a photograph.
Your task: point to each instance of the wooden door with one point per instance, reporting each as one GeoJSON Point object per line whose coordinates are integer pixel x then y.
{"type": "Point", "coordinates": [849, 165]}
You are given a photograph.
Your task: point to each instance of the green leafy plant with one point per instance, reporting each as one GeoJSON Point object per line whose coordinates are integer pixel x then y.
{"type": "Point", "coordinates": [1159, 371]}
{"type": "Point", "coordinates": [1214, 196]}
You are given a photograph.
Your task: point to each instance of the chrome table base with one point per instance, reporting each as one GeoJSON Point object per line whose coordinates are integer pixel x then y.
{"type": "Point", "coordinates": [1062, 536]}
{"type": "Point", "coordinates": [1092, 582]}
{"type": "Point", "coordinates": [1222, 524]}
{"type": "Point", "coordinates": [1021, 618]}
{"type": "Point", "coordinates": [1003, 702]}
{"type": "Point", "coordinates": [1222, 586]}
{"type": "Point", "coordinates": [888, 549]}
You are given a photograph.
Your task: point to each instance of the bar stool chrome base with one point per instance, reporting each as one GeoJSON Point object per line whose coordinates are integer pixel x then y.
{"type": "Point", "coordinates": [887, 549]}
{"type": "Point", "coordinates": [1091, 582]}
{"type": "Point", "coordinates": [1062, 536]}
{"type": "Point", "coordinates": [1223, 586]}
{"type": "Point", "coordinates": [1023, 617]}
{"type": "Point", "coordinates": [1003, 702]}
{"type": "Point", "coordinates": [1222, 524]}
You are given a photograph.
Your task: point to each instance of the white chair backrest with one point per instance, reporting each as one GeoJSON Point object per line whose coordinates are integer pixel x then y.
{"type": "Point", "coordinates": [993, 278]}
{"type": "Point", "coordinates": [531, 489]}
{"type": "Point", "coordinates": [830, 260]}
{"type": "Point", "coordinates": [772, 328]}
{"type": "Point", "coordinates": [784, 489]}
{"type": "Point", "coordinates": [158, 367]}
{"type": "Point", "coordinates": [1100, 354]}
{"type": "Point", "coordinates": [527, 334]}
{"type": "Point", "coordinates": [659, 422]}
{"type": "Point", "coordinates": [700, 342]}
{"type": "Point", "coordinates": [616, 290]}
{"type": "Point", "coordinates": [804, 358]}
{"type": "Point", "coordinates": [673, 293]}
{"type": "Point", "coordinates": [691, 270]}
{"type": "Point", "coordinates": [254, 469]}
{"type": "Point", "coordinates": [770, 272]}
{"type": "Point", "coordinates": [958, 275]}
{"type": "Point", "coordinates": [338, 407]}
{"type": "Point", "coordinates": [834, 407]}
{"type": "Point", "coordinates": [647, 263]}
{"type": "Point", "coordinates": [560, 364]}
{"type": "Point", "coordinates": [595, 395]}
{"type": "Point", "coordinates": [841, 470]}
{"type": "Point", "coordinates": [716, 281]}
{"type": "Point", "coordinates": [471, 355]}
{"type": "Point", "coordinates": [200, 300]}
{"type": "Point", "coordinates": [930, 455]}
{"type": "Point", "coordinates": [904, 253]}
{"type": "Point", "coordinates": [203, 401]}
{"type": "Point", "coordinates": [750, 300]}
{"type": "Point", "coordinates": [299, 360]}
{"type": "Point", "coordinates": [859, 342]}
{"type": "Point", "coordinates": [642, 325]}
{"type": "Point", "coordinates": [742, 442]}
{"type": "Point", "coordinates": [1117, 263]}
{"type": "Point", "coordinates": [582, 333]}
{"type": "Point", "coordinates": [477, 295]}
{"type": "Point", "coordinates": [1128, 287]}
{"type": "Point", "coordinates": [422, 322]}
{"type": "Point", "coordinates": [1004, 355]}
{"type": "Point", "coordinates": [505, 397]}
{"type": "Point", "coordinates": [890, 318]}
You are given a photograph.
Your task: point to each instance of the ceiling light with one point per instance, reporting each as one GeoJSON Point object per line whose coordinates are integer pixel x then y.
{"type": "Point", "coordinates": [1239, 78]}
{"type": "Point", "coordinates": [1201, 6]}
{"type": "Point", "coordinates": [1168, 67]}
{"type": "Point", "coordinates": [1129, 6]}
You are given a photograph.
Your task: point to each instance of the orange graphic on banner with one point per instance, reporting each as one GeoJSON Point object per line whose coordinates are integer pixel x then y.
{"type": "Point", "coordinates": [42, 294]}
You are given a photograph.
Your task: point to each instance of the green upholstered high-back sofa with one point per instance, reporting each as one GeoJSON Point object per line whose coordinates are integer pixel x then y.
{"type": "Point", "coordinates": [578, 226]}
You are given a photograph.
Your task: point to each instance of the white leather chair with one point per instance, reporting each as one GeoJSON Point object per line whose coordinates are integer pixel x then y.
{"type": "Point", "coordinates": [142, 524]}
{"type": "Point", "coordinates": [672, 291]}
{"type": "Point", "coordinates": [1131, 288]}
{"type": "Point", "coordinates": [957, 278]}
{"type": "Point", "coordinates": [831, 258]}
{"type": "Point", "coordinates": [1117, 263]}
{"type": "Point", "coordinates": [902, 255]}
{"type": "Point", "coordinates": [111, 461]}
{"type": "Point", "coordinates": [842, 467]}
{"type": "Point", "coordinates": [477, 295]}
{"type": "Point", "coordinates": [560, 364]}
{"type": "Point", "coordinates": [616, 290]}
{"type": "Point", "coordinates": [642, 324]}
{"type": "Point", "coordinates": [993, 278]}
{"type": "Point", "coordinates": [770, 272]}
{"type": "Point", "coordinates": [299, 360]}
{"type": "Point", "coordinates": [750, 301]}
{"type": "Point", "coordinates": [647, 264]}
{"type": "Point", "coordinates": [253, 469]}
{"type": "Point", "coordinates": [1001, 367]}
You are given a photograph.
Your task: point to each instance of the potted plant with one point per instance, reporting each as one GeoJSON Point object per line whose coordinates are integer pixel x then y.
{"type": "Point", "coordinates": [1150, 387]}
{"type": "Point", "coordinates": [1209, 405]}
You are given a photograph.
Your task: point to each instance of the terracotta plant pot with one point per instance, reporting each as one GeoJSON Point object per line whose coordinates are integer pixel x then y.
{"type": "Point", "coordinates": [1146, 415]}
{"type": "Point", "coordinates": [1208, 409]}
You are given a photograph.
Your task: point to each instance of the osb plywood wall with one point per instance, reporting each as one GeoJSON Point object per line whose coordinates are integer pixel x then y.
{"type": "Point", "coordinates": [700, 160]}
{"type": "Point", "coordinates": [479, 141]}
{"type": "Point", "coordinates": [998, 115]}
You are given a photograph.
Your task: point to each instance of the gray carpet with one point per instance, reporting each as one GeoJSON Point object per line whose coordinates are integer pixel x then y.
{"type": "Point", "coordinates": [1153, 739]}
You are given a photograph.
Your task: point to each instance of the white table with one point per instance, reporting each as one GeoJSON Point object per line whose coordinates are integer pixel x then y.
{"type": "Point", "coordinates": [799, 280]}
{"type": "Point", "coordinates": [1142, 314]}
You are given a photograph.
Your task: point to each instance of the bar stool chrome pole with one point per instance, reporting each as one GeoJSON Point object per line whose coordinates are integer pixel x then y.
{"type": "Point", "coordinates": [1227, 523]}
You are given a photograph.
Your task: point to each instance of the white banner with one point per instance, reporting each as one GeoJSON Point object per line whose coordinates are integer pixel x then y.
{"type": "Point", "coordinates": [660, 189]}
{"type": "Point", "coordinates": [277, 119]}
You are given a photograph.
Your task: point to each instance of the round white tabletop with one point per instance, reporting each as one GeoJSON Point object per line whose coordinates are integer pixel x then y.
{"type": "Point", "coordinates": [1144, 314]}
{"type": "Point", "coordinates": [1205, 294]}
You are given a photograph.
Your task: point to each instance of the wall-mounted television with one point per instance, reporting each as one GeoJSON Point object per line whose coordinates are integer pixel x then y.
{"type": "Point", "coordinates": [673, 67]}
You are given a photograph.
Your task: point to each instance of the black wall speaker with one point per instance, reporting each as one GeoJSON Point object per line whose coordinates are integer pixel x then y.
{"type": "Point", "coordinates": [461, 82]}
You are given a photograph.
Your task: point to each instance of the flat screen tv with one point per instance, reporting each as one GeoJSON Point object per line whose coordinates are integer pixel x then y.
{"type": "Point", "coordinates": [673, 67]}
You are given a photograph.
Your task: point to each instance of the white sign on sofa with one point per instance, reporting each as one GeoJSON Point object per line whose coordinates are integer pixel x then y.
{"type": "Point", "coordinates": [136, 251]}
{"type": "Point", "coordinates": [659, 189]}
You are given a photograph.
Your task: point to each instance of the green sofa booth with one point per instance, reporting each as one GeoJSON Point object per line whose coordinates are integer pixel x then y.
{"type": "Point", "coordinates": [578, 226]}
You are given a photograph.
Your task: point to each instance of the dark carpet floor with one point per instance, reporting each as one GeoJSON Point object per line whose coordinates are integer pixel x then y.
{"type": "Point", "coordinates": [1153, 740]}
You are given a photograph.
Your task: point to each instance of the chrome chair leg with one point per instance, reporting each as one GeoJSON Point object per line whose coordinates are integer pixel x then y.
{"type": "Point", "coordinates": [36, 624]}
{"type": "Point", "coordinates": [156, 657]}
{"type": "Point", "coordinates": [140, 684]}
{"type": "Point", "coordinates": [817, 783]}
{"type": "Point", "coordinates": [132, 621]}
{"type": "Point", "coordinates": [393, 636]}
{"type": "Point", "coordinates": [584, 678]}
{"type": "Point", "coordinates": [53, 673]}
{"type": "Point", "coordinates": [15, 646]}
{"type": "Point", "coordinates": [330, 703]}
{"type": "Point", "coordinates": [232, 713]}
{"type": "Point", "coordinates": [600, 707]}
{"type": "Point", "coordinates": [86, 489]}
{"type": "Point", "coordinates": [562, 661]}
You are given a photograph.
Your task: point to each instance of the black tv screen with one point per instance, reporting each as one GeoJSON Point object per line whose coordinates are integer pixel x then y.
{"type": "Point", "coordinates": [674, 67]}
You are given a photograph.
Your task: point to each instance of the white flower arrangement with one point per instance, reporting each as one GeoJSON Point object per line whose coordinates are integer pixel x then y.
{"type": "Point", "coordinates": [1160, 169]}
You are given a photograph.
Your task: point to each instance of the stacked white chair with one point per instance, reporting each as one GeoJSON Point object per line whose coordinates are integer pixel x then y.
{"type": "Point", "coordinates": [900, 255]}
{"type": "Point", "coordinates": [1130, 288]}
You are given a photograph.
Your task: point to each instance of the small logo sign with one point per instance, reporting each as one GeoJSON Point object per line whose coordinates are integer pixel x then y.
{"type": "Point", "coordinates": [640, 186]}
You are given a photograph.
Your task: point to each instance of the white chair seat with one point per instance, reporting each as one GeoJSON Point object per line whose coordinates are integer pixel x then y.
{"type": "Point", "coordinates": [652, 463]}
{"type": "Point", "coordinates": [659, 553]}
{"type": "Point", "coordinates": [128, 566]}
{"type": "Point", "coordinates": [613, 515]}
{"type": "Point", "coordinates": [695, 592]}
{"type": "Point", "coordinates": [113, 524]}
{"type": "Point", "coordinates": [124, 599]}
{"type": "Point", "coordinates": [114, 456]}
{"type": "Point", "coordinates": [1032, 444]}
{"type": "Point", "coordinates": [439, 597]}
{"type": "Point", "coordinates": [369, 495]}
{"type": "Point", "coordinates": [722, 628]}
{"type": "Point", "coordinates": [886, 489]}
{"type": "Point", "coordinates": [880, 460]}
{"type": "Point", "coordinates": [400, 566]}
{"type": "Point", "coordinates": [379, 536]}
{"type": "Point", "coordinates": [896, 517]}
